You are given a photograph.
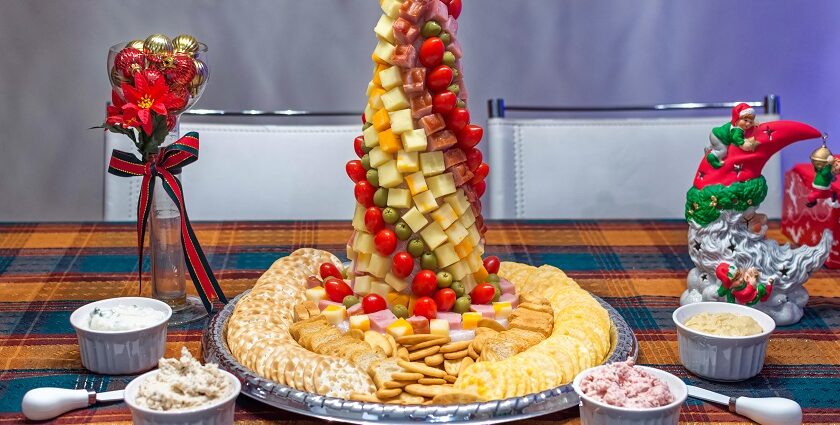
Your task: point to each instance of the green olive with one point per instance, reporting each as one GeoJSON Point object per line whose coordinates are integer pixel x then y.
{"type": "Point", "coordinates": [416, 247]}
{"type": "Point", "coordinates": [458, 287]}
{"type": "Point", "coordinates": [446, 38]}
{"type": "Point", "coordinates": [380, 197]}
{"type": "Point", "coordinates": [493, 278]}
{"type": "Point", "coordinates": [373, 177]}
{"type": "Point", "coordinates": [454, 88]}
{"type": "Point", "coordinates": [449, 60]}
{"type": "Point", "coordinates": [402, 230]}
{"type": "Point", "coordinates": [366, 162]}
{"type": "Point", "coordinates": [431, 29]}
{"type": "Point", "coordinates": [390, 215]}
{"type": "Point", "coordinates": [498, 292]}
{"type": "Point", "coordinates": [462, 304]}
{"type": "Point", "coordinates": [400, 311]}
{"type": "Point", "coordinates": [366, 149]}
{"type": "Point", "coordinates": [429, 261]}
{"type": "Point", "coordinates": [366, 125]}
{"type": "Point", "coordinates": [455, 73]}
{"type": "Point", "coordinates": [460, 104]}
{"type": "Point", "coordinates": [444, 279]}
{"type": "Point", "coordinates": [350, 301]}
{"type": "Point", "coordinates": [344, 272]}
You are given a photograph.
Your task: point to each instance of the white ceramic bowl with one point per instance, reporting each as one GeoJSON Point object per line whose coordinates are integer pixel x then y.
{"type": "Point", "coordinates": [121, 352]}
{"type": "Point", "coordinates": [722, 358]}
{"type": "Point", "coordinates": [219, 412]}
{"type": "Point", "coordinates": [593, 412]}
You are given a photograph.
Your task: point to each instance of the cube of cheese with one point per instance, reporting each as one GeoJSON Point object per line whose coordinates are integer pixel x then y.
{"type": "Point", "coordinates": [397, 198]}
{"type": "Point", "coordinates": [458, 270]}
{"type": "Point", "coordinates": [376, 70]}
{"type": "Point", "coordinates": [395, 99]}
{"type": "Point", "coordinates": [469, 282]}
{"type": "Point", "coordinates": [391, 77]}
{"type": "Point", "coordinates": [389, 176]}
{"type": "Point", "coordinates": [415, 219]}
{"type": "Point", "coordinates": [380, 120]}
{"type": "Point", "coordinates": [399, 328]}
{"type": "Point", "coordinates": [362, 261]}
{"type": "Point", "coordinates": [371, 85]}
{"type": "Point", "coordinates": [465, 247]}
{"type": "Point", "coordinates": [425, 201]}
{"type": "Point", "coordinates": [375, 98]}
{"type": "Point", "coordinates": [351, 255]}
{"type": "Point", "coordinates": [379, 265]}
{"type": "Point", "coordinates": [446, 255]}
{"type": "Point", "coordinates": [315, 294]}
{"type": "Point", "coordinates": [441, 185]}
{"type": "Point", "coordinates": [361, 285]}
{"type": "Point", "coordinates": [396, 283]}
{"type": "Point", "coordinates": [378, 157]}
{"type": "Point", "coordinates": [458, 201]}
{"type": "Point", "coordinates": [391, 7]}
{"type": "Point", "coordinates": [433, 235]}
{"type": "Point", "coordinates": [401, 121]}
{"type": "Point", "coordinates": [467, 218]}
{"type": "Point", "coordinates": [383, 52]}
{"type": "Point", "coordinates": [416, 183]}
{"type": "Point", "coordinates": [432, 163]}
{"type": "Point", "coordinates": [360, 322]}
{"type": "Point", "coordinates": [469, 320]}
{"type": "Point", "coordinates": [414, 141]}
{"type": "Point", "coordinates": [439, 327]}
{"type": "Point", "coordinates": [363, 242]}
{"type": "Point", "coordinates": [502, 309]}
{"type": "Point", "coordinates": [474, 261]}
{"type": "Point", "coordinates": [456, 233]}
{"type": "Point", "coordinates": [408, 162]}
{"type": "Point", "coordinates": [396, 298]}
{"type": "Point", "coordinates": [380, 288]}
{"type": "Point", "coordinates": [335, 314]}
{"type": "Point", "coordinates": [389, 142]}
{"type": "Point", "coordinates": [385, 28]}
{"type": "Point", "coordinates": [371, 135]}
{"type": "Point", "coordinates": [359, 218]}
{"type": "Point", "coordinates": [369, 111]}
{"type": "Point", "coordinates": [481, 275]}
{"type": "Point", "coordinates": [445, 216]}
{"type": "Point", "coordinates": [473, 235]}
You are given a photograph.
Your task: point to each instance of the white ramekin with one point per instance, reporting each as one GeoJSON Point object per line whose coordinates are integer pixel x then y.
{"type": "Point", "coordinates": [219, 412]}
{"type": "Point", "coordinates": [722, 358]}
{"type": "Point", "coordinates": [121, 352]}
{"type": "Point", "coordinates": [593, 412]}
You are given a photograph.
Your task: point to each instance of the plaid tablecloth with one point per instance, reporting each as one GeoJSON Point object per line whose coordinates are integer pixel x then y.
{"type": "Point", "coordinates": [48, 270]}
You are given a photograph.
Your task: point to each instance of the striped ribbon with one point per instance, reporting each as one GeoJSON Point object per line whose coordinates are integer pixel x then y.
{"type": "Point", "coordinates": [165, 165]}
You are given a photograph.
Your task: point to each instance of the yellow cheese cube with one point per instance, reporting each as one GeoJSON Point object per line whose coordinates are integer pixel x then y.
{"type": "Point", "coordinates": [502, 309]}
{"type": "Point", "coordinates": [467, 218]}
{"type": "Point", "coordinates": [416, 183]}
{"type": "Point", "coordinates": [439, 327]}
{"type": "Point", "coordinates": [473, 235]}
{"type": "Point", "coordinates": [444, 216]}
{"type": "Point", "coordinates": [335, 314]}
{"type": "Point", "coordinates": [380, 120]}
{"type": "Point", "coordinates": [361, 285]}
{"type": "Point", "coordinates": [398, 198]}
{"type": "Point", "coordinates": [377, 82]}
{"type": "Point", "coordinates": [399, 328]}
{"type": "Point", "coordinates": [395, 100]}
{"type": "Point", "coordinates": [369, 112]}
{"type": "Point", "coordinates": [401, 121]}
{"type": "Point", "coordinates": [363, 242]}
{"type": "Point", "coordinates": [371, 85]}
{"type": "Point", "coordinates": [415, 141]}
{"type": "Point", "coordinates": [379, 265]}
{"type": "Point", "coordinates": [433, 235]}
{"type": "Point", "coordinates": [458, 202]}
{"type": "Point", "coordinates": [391, 7]}
{"type": "Point", "coordinates": [380, 288]}
{"type": "Point", "coordinates": [446, 255]}
{"type": "Point", "coordinates": [481, 274]}
{"type": "Point", "coordinates": [375, 98]}
{"type": "Point", "coordinates": [389, 176]}
{"type": "Point", "coordinates": [465, 247]}
{"type": "Point", "coordinates": [359, 218]}
{"type": "Point", "coordinates": [391, 77]}
{"type": "Point", "coordinates": [383, 52]}
{"type": "Point", "coordinates": [378, 157]}
{"type": "Point", "coordinates": [394, 298]}
{"type": "Point", "coordinates": [360, 322]}
{"type": "Point", "coordinates": [371, 136]}
{"type": "Point", "coordinates": [474, 261]}
{"type": "Point", "coordinates": [458, 270]}
{"type": "Point", "coordinates": [432, 163]}
{"type": "Point", "coordinates": [456, 232]}
{"type": "Point", "coordinates": [389, 142]}
{"type": "Point", "coordinates": [441, 185]}
{"type": "Point", "coordinates": [385, 28]}
{"type": "Point", "coordinates": [415, 219]}
{"type": "Point", "coordinates": [395, 282]}
{"type": "Point", "coordinates": [469, 320]}
{"type": "Point", "coordinates": [412, 301]}
{"type": "Point", "coordinates": [315, 294]}
{"type": "Point", "coordinates": [408, 162]}
{"type": "Point", "coordinates": [425, 201]}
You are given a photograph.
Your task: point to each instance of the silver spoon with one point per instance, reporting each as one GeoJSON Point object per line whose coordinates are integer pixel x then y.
{"type": "Point", "coordinates": [765, 411]}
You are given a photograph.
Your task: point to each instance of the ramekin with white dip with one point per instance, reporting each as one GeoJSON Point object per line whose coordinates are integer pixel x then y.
{"type": "Point", "coordinates": [121, 336]}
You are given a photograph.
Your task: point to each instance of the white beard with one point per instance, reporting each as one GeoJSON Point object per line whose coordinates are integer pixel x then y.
{"type": "Point", "coordinates": [789, 268]}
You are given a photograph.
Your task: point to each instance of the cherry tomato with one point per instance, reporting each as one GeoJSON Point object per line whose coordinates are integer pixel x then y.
{"type": "Point", "coordinates": [355, 170]}
{"type": "Point", "coordinates": [431, 52]}
{"type": "Point", "coordinates": [364, 193]}
{"type": "Point", "coordinates": [483, 293]}
{"type": "Point", "coordinates": [337, 289]}
{"type": "Point", "coordinates": [385, 242]}
{"type": "Point", "coordinates": [373, 220]}
{"type": "Point", "coordinates": [425, 307]}
{"type": "Point", "coordinates": [444, 102]}
{"type": "Point", "coordinates": [457, 119]}
{"type": "Point", "coordinates": [480, 173]}
{"type": "Point", "coordinates": [402, 265]}
{"type": "Point", "coordinates": [469, 136]}
{"type": "Point", "coordinates": [446, 2]}
{"type": "Point", "coordinates": [455, 7]}
{"type": "Point", "coordinates": [424, 284]}
{"type": "Point", "coordinates": [474, 158]}
{"type": "Point", "coordinates": [329, 269]}
{"type": "Point", "coordinates": [445, 299]}
{"type": "Point", "coordinates": [480, 188]}
{"type": "Point", "coordinates": [364, 118]}
{"type": "Point", "coordinates": [357, 146]}
{"type": "Point", "coordinates": [373, 303]}
{"type": "Point", "coordinates": [439, 78]}
{"type": "Point", "coordinates": [491, 264]}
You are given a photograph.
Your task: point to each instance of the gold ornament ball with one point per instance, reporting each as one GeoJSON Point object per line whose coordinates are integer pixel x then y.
{"type": "Point", "coordinates": [819, 158]}
{"type": "Point", "coordinates": [116, 77]}
{"type": "Point", "coordinates": [185, 43]}
{"type": "Point", "coordinates": [157, 44]}
{"type": "Point", "coordinates": [201, 73]}
{"type": "Point", "coordinates": [135, 44]}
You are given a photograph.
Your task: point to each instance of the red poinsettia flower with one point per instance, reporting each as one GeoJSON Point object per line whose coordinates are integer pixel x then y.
{"type": "Point", "coordinates": [146, 97]}
{"type": "Point", "coordinates": [115, 114]}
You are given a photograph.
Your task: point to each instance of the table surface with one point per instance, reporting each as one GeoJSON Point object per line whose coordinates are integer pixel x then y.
{"type": "Point", "coordinates": [48, 270]}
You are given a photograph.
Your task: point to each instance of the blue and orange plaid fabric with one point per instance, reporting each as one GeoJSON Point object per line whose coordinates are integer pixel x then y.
{"type": "Point", "coordinates": [48, 270]}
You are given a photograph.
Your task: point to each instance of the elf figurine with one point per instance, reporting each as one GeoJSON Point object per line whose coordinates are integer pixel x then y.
{"type": "Point", "coordinates": [742, 288]}
{"type": "Point", "coordinates": [825, 168]}
{"type": "Point", "coordinates": [737, 132]}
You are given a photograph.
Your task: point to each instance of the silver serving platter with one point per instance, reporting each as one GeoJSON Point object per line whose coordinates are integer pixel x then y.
{"type": "Point", "coordinates": [624, 345]}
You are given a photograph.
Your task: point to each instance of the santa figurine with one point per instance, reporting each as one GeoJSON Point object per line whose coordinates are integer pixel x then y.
{"type": "Point", "coordinates": [825, 168]}
{"type": "Point", "coordinates": [742, 287]}
{"type": "Point", "coordinates": [738, 131]}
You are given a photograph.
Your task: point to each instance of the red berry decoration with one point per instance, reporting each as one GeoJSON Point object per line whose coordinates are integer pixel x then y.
{"type": "Point", "coordinates": [357, 146]}
{"type": "Point", "coordinates": [373, 220]}
{"type": "Point", "coordinates": [129, 61]}
{"type": "Point", "coordinates": [455, 7]}
{"type": "Point", "coordinates": [402, 265]}
{"type": "Point", "coordinates": [424, 284]}
{"type": "Point", "coordinates": [470, 136]}
{"type": "Point", "coordinates": [425, 307]}
{"type": "Point", "coordinates": [180, 70]}
{"type": "Point", "coordinates": [373, 303]}
{"type": "Point", "coordinates": [444, 102]}
{"type": "Point", "coordinates": [457, 119]}
{"type": "Point", "coordinates": [152, 75]}
{"type": "Point", "coordinates": [474, 158]}
{"type": "Point", "coordinates": [439, 78]}
{"type": "Point", "coordinates": [492, 264]}
{"type": "Point", "coordinates": [355, 170]}
{"type": "Point", "coordinates": [483, 293]}
{"type": "Point", "coordinates": [364, 118]}
{"type": "Point", "coordinates": [480, 173]}
{"type": "Point", "coordinates": [329, 269]}
{"type": "Point", "coordinates": [385, 241]}
{"type": "Point", "coordinates": [431, 52]}
{"type": "Point", "coordinates": [337, 289]}
{"type": "Point", "coordinates": [480, 188]}
{"type": "Point", "coordinates": [445, 299]}
{"type": "Point", "coordinates": [364, 193]}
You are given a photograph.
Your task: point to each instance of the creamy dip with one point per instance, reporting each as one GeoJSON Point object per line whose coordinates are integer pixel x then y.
{"type": "Point", "coordinates": [623, 385]}
{"type": "Point", "coordinates": [124, 318]}
{"type": "Point", "coordinates": [182, 384]}
{"type": "Point", "coordinates": [724, 324]}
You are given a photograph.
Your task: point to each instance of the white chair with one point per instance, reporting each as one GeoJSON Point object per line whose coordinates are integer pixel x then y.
{"type": "Point", "coordinates": [253, 172]}
{"type": "Point", "coordinates": [639, 168]}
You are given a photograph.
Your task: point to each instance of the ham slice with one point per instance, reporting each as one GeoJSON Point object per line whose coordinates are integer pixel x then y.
{"type": "Point", "coordinates": [355, 310]}
{"type": "Point", "coordinates": [450, 26]}
{"type": "Point", "coordinates": [404, 56]}
{"type": "Point", "coordinates": [513, 299]}
{"type": "Point", "coordinates": [506, 286]}
{"type": "Point", "coordinates": [413, 10]}
{"type": "Point", "coordinates": [419, 324]}
{"type": "Point", "coordinates": [438, 12]}
{"type": "Point", "coordinates": [441, 140]}
{"type": "Point", "coordinates": [432, 124]}
{"type": "Point", "coordinates": [453, 157]}
{"type": "Point", "coordinates": [454, 319]}
{"type": "Point", "coordinates": [486, 310]}
{"type": "Point", "coordinates": [380, 320]}
{"type": "Point", "coordinates": [414, 80]}
{"type": "Point", "coordinates": [462, 176]}
{"type": "Point", "coordinates": [421, 105]}
{"type": "Point", "coordinates": [323, 304]}
{"type": "Point", "coordinates": [405, 32]}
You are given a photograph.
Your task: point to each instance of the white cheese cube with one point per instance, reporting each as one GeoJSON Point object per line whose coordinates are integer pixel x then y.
{"type": "Point", "coordinates": [335, 314]}
{"type": "Point", "coordinates": [415, 219]}
{"type": "Point", "coordinates": [385, 28]}
{"type": "Point", "coordinates": [389, 175]}
{"type": "Point", "coordinates": [456, 232]}
{"type": "Point", "coordinates": [362, 261]}
{"type": "Point", "coordinates": [425, 201]}
{"type": "Point", "coordinates": [398, 198]}
{"type": "Point", "coordinates": [369, 90]}
{"type": "Point", "coordinates": [359, 218]}
{"type": "Point", "coordinates": [363, 242]}
{"type": "Point", "coordinates": [416, 183]}
{"type": "Point", "coordinates": [446, 255]}
{"type": "Point", "coordinates": [467, 218]}
{"type": "Point", "coordinates": [479, 249]}
{"type": "Point", "coordinates": [473, 235]}
{"type": "Point", "coordinates": [379, 265]}
{"type": "Point", "coordinates": [369, 112]}
{"type": "Point", "coordinates": [378, 157]}
{"type": "Point", "coordinates": [395, 100]}
{"type": "Point", "coordinates": [408, 162]}
{"type": "Point", "coordinates": [441, 185]}
{"type": "Point", "coordinates": [391, 7]}
{"type": "Point", "coordinates": [399, 328]}
{"type": "Point", "coordinates": [445, 216]}
{"type": "Point", "coordinates": [458, 270]}
{"type": "Point", "coordinates": [432, 163]}
{"type": "Point", "coordinates": [351, 255]}
{"type": "Point", "coordinates": [315, 294]}
{"type": "Point", "coordinates": [396, 283]}
{"type": "Point", "coordinates": [433, 236]}
{"type": "Point", "coordinates": [415, 141]}
{"type": "Point", "coordinates": [468, 281]}
{"type": "Point", "coordinates": [458, 201]}
{"type": "Point", "coordinates": [362, 285]}
{"type": "Point", "coordinates": [401, 120]}
{"type": "Point", "coordinates": [474, 261]}
{"type": "Point", "coordinates": [390, 78]}
{"type": "Point", "coordinates": [384, 50]}
{"type": "Point", "coordinates": [439, 327]}
{"type": "Point", "coordinates": [371, 135]}
{"type": "Point", "coordinates": [380, 288]}
{"type": "Point", "coordinates": [360, 322]}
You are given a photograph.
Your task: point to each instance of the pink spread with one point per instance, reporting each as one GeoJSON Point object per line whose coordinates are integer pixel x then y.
{"type": "Point", "coordinates": [622, 385]}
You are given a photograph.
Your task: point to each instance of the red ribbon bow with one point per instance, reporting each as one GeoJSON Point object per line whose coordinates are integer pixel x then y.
{"type": "Point", "coordinates": [165, 165]}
